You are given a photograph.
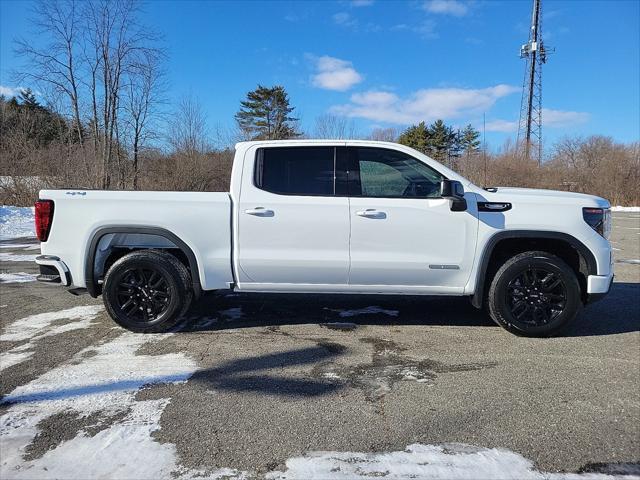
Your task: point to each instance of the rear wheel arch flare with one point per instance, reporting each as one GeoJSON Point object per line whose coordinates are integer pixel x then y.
{"type": "Point", "coordinates": [171, 239]}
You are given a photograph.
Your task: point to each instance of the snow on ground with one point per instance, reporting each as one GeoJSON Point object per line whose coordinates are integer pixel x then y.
{"type": "Point", "coordinates": [35, 327]}
{"type": "Point", "coordinates": [18, 277]}
{"type": "Point", "coordinates": [16, 257]}
{"type": "Point", "coordinates": [22, 246]}
{"type": "Point", "coordinates": [364, 311]}
{"type": "Point", "coordinates": [38, 326]}
{"type": "Point", "coordinates": [16, 222]}
{"type": "Point", "coordinates": [100, 384]}
{"type": "Point", "coordinates": [625, 209]}
{"type": "Point", "coordinates": [453, 461]}
{"type": "Point", "coordinates": [101, 381]}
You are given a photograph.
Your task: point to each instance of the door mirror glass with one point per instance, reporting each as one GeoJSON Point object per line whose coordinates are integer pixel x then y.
{"type": "Point", "coordinates": [454, 191]}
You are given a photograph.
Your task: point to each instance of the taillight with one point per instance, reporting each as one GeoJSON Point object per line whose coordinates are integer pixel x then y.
{"type": "Point", "coordinates": [44, 217]}
{"type": "Point", "coordinates": [599, 219]}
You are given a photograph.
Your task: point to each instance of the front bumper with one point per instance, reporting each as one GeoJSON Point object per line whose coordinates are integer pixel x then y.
{"type": "Point", "coordinates": [598, 286]}
{"type": "Point", "coordinates": [53, 270]}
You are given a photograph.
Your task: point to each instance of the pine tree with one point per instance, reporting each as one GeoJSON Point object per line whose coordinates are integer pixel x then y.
{"type": "Point", "coordinates": [470, 140]}
{"type": "Point", "coordinates": [265, 114]}
{"type": "Point", "coordinates": [417, 137]}
{"type": "Point", "coordinates": [444, 142]}
{"type": "Point", "coordinates": [28, 98]}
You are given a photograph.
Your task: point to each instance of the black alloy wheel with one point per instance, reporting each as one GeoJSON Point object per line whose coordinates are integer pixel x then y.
{"type": "Point", "coordinates": [147, 291]}
{"type": "Point", "coordinates": [143, 295]}
{"type": "Point", "coordinates": [536, 296]}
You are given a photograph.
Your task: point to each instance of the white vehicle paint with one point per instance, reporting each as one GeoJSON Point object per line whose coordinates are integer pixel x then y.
{"type": "Point", "coordinates": [255, 239]}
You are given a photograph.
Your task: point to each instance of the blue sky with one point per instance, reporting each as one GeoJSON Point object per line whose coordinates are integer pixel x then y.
{"type": "Point", "coordinates": [391, 63]}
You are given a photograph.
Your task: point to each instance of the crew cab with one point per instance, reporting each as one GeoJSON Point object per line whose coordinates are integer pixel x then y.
{"type": "Point", "coordinates": [339, 217]}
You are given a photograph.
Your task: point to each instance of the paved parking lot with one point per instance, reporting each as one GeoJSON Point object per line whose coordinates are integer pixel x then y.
{"type": "Point", "coordinates": [258, 383]}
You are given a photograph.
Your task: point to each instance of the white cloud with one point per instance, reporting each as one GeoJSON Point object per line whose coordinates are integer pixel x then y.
{"type": "Point", "coordinates": [550, 118]}
{"type": "Point", "coordinates": [501, 126]}
{"type": "Point", "coordinates": [446, 7]}
{"type": "Point", "coordinates": [563, 118]}
{"type": "Point", "coordinates": [9, 91]}
{"type": "Point", "coordinates": [344, 19]}
{"type": "Point", "coordinates": [426, 29]}
{"type": "Point", "coordinates": [335, 74]}
{"type": "Point", "coordinates": [423, 105]}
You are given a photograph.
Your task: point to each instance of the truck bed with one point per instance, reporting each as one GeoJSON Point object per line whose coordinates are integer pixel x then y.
{"type": "Point", "coordinates": [202, 220]}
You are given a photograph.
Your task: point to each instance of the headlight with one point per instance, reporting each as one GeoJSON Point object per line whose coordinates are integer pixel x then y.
{"type": "Point", "coordinates": [599, 219]}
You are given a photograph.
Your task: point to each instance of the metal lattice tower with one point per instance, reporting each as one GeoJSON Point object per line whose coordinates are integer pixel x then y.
{"type": "Point", "coordinates": [530, 125]}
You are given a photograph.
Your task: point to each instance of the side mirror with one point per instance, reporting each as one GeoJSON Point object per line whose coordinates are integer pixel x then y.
{"type": "Point", "coordinates": [454, 191]}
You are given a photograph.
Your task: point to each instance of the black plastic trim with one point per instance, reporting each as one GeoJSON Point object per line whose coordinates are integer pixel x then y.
{"type": "Point", "coordinates": [49, 273]}
{"type": "Point", "coordinates": [91, 282]}
{"type": "Point", "coordinates": [492, 207]}
{"type": "Point", "coordinates": [590, 259]}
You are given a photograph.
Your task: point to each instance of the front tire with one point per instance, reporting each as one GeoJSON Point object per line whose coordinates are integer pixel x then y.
{"type": "Point", "coordinates": [534, 294]}
{"type": "Point", "coordinates": [147, 291]}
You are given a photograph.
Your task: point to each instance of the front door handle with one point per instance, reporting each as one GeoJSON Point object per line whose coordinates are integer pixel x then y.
{"type": "Point", "coordinates": [371, 213]}
{"type": "Point", "coordinates": [259, 212]}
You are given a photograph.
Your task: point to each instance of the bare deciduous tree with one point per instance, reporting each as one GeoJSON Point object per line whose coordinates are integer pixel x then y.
{"type": "Point", "coordinates": [332, 126]}
{"type": "Point", "coordinates": [188, 128]}
{"type": "Point", "coordinates": [144, 97]}
{"type": "Point", "coordinates": [54, 67]}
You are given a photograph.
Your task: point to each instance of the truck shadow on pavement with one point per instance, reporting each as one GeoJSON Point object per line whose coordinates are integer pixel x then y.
{"type": "Point", "coordinates": [618, 312]}
{"type": "Point", "coordinates": [258, 374]}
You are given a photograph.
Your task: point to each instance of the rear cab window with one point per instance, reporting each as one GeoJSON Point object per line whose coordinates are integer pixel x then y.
{"type": "Point", "coordinates": [296, 170]}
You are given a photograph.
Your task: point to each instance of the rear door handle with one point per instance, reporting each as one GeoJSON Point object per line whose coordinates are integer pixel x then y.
{"type": "Point", "coordinates": [259, 212]}
{"type": "Point", "coordinates": [371, 213]}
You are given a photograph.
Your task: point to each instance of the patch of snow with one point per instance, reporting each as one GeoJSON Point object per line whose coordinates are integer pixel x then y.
{"type": "Point", "coordinates": [16, 222]}
{"type": "Point", "coordinates": [365, 311]}
{"type": "Point", "coordinates": [39, 326]}
{"type": "Point", "coordinates": [17, 246]}
{"type": "Point", "coordinates": [452, 461]}
{"type": "Point", "coordinates": [105, 383]}
{"type": "Point", "coordinates": [18, 277]}
{"type": "Point", "coordinates": [13, 257]}
{"type": "Point", "coordinates": [625, 209]}
{"type": "Point", "coordinates": [11, 358]}
{"type": "Point", "coordinates": [632, 261]}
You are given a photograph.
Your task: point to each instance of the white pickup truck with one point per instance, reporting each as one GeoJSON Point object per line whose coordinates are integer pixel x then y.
{"type": "Point", "coordinates": [343, 217]}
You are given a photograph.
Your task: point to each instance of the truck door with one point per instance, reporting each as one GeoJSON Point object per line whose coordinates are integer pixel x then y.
{"type": "Point", "coordinates": [292, 228]}
{"type": "Point", "coordinates": [403, 234]}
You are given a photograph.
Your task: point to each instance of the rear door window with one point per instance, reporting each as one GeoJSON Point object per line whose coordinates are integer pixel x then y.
{"type": "Point", "coordinates": [296, 170]}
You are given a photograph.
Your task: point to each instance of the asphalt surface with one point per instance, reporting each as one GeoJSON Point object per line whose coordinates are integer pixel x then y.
{"type": "Point", "coordinates": [282, 375]}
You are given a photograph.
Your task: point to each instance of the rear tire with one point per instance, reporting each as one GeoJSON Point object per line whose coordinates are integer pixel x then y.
{"type": "Point", "coordinates": [534, 294]}
{"type": "Point", "coordinates": [147, 291]}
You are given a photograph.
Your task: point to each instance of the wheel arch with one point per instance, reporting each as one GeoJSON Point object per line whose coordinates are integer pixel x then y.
{"type": "Point", "coordinates": [175, 242]}
{"type": "Point", "coordinates": [511, 242]}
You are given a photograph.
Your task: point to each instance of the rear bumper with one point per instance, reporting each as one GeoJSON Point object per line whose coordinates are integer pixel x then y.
{"type": "Point", "coordinates": [53, 270]}
{"type": "Point", "coordinates": [598, 286]}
